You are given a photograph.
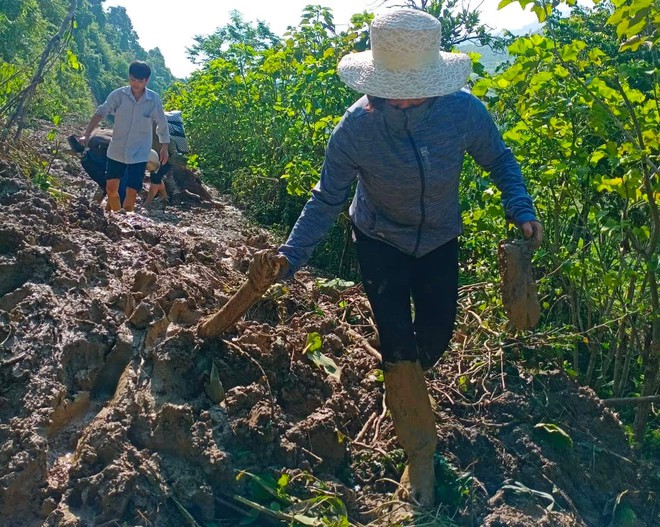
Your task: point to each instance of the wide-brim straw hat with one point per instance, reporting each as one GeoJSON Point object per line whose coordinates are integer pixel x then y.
{"type": "Point", "coordinates": [405, 61]}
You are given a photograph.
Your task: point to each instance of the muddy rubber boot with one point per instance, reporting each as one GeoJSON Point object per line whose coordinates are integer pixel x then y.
{"type": "Point", "coordinates": [408, 400]}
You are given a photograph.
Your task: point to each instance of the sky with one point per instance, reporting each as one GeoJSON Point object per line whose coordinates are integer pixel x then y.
{"type": "Point", "coordinates": [172, 34]}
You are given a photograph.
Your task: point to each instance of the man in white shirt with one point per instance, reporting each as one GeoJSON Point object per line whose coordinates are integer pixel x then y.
{"type": "Point", "coordinates": [135, 108]}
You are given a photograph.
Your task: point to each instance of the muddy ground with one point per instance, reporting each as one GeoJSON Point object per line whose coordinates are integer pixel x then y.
{"type": "Point", "coordinates": [106, 417]}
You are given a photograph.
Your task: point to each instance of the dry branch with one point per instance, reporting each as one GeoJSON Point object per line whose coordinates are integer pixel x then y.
{"type": "Point", "coordinates": [631, 401]}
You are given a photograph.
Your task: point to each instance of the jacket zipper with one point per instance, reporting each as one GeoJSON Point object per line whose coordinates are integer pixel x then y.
{"type": "Point", "coordinates": [422, 177]}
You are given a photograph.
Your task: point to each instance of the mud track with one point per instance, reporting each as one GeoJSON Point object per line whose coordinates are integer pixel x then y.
{"type": "Point", "coordinates": [105, 420]}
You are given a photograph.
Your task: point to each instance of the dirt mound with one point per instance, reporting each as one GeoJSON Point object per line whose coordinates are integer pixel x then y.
{"type": "Point", "coordinates": [106, 417]}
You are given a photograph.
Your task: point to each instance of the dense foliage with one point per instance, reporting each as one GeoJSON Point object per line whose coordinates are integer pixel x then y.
{"type": "Point", "coordinates": [93, 60]}
{"type": "Point", "coordinates": [581, 108]}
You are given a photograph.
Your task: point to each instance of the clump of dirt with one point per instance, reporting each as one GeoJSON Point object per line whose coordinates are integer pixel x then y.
{"type": "Point", "coordinates": [106, 419]}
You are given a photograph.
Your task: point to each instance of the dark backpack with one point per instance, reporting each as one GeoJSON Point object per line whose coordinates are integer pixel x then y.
{"type": "Point", "coordinates": [177, 133]}
{"type": "Point", "coordinates": [97, 146]}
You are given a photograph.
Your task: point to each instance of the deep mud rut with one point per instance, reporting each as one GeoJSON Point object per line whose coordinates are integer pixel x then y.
{"type": "Point", "coordinates": [105, 420]}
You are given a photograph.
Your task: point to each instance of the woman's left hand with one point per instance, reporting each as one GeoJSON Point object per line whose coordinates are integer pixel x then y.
{"type": "Point", "coordinates": [533, 231]}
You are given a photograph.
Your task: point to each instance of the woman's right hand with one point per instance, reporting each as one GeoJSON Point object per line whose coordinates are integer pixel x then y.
{"type": "Point", "coordinates": [283, 263]}
{"type": "Point", "coordinates": [533, 231]}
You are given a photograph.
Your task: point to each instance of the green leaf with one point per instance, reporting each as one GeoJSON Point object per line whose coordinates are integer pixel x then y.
{"type": "Point", "coordinates": [570, 52]}
{"type": "Point", "coordinates": [314, 342]}
{"type": "Point", "coordinates": [481, 87]}
{"type": "Point", "coordinates": [616, 17]}
{"type": "Point", "coordinates": [633, 43]}
{"type": "Point", "coordinates": [325, 362]}
{"type": "Point", "coordinates": [597, 156]}
{"type": "Point", "coordinates": [610, 184]}
{"type": "Point", "coordinates": [376, 375]}
{"type": "Point", "coordinates": [463, 383]}
{"type": "Point", "coordinates": [542, 11]}
{"type": "Point", "coordinates": [504, 3]}
{"type": "Point", "coordinates": [554, 435]}
{"type": "Point", "coordinates": [283, 481]}
{"type": "Point", "coordinates": [522, 3]}
{"type": "Point", "coordinates": [72, 60]}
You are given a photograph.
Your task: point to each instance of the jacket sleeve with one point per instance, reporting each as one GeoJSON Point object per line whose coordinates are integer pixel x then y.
{"type": "Point", "coordinates": [486, 146]}
{"type": "Point", "coordinates": [328, 198]}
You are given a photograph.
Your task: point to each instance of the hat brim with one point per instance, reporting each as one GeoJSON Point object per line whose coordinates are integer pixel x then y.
{"type": "Point", "coordinates": [447, 75]}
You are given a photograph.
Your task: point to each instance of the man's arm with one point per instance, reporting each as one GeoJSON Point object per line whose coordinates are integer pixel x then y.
{"type": "Point", "coordinates": [109, 106]}
{"type": "Point", "coordinates": [93, 123]}
{"type": "Point", "coordinates": [162, 131]}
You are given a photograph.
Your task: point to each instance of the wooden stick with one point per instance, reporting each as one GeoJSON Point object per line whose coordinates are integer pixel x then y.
{"type": "Point", "coordinates": [263, 271]}
{"type": "Point", "coordinates": [631, 401]}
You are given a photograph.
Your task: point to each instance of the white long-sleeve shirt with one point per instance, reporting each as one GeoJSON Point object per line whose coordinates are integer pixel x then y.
{"type": "Point", "coordinates": [133, 128]}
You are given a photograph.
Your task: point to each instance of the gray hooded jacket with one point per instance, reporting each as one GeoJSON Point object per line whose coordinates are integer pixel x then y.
{"type": "Point", "coordinates": [408, 164]}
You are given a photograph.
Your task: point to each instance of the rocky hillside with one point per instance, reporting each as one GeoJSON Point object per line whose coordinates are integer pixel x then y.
{"type": "Point", "coordinates": [109, 411]}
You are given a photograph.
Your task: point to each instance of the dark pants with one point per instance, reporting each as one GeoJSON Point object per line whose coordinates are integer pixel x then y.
{"type": "Point", "coordinates": [157, 177]}
{"type": "Point", "coordinates": [95, 169]}
{"type": "Point", "coordinates": [390, 278]}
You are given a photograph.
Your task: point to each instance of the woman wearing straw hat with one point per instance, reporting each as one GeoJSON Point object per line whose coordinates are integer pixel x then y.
{"type": "Point", "coordinates": [404, 142]}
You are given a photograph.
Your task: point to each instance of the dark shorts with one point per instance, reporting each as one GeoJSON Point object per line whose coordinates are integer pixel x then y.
{"type": "Point", "coordinates": [157, 177]}
{"type": "Point", "coordinates": [391, 278]}
{"type": "Point", "coordinates": [134, 172]}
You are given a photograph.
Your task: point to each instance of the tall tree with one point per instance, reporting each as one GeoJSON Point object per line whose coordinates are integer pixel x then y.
{"type": "Point", "coordinates": [461, 22]}
{"type": "Point", "coordinates": [20, 104]}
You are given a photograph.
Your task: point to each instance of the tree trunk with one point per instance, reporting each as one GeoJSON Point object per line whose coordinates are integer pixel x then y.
{"type": "Point", "coordinates": [652, 362]}
{"type": "Point", "coordinates": [23, 101]}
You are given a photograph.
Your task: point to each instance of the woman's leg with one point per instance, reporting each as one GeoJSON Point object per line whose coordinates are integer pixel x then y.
{"type": "Point", "coordinates": [408, 400]}
{"type": "Point", "coordinates": [386, 277]}
{"type": "Point", "coordinates": [386, 280]}
{"type": "Point", "coordinates": [435, 295]}
{"type": "Point", "coordinates": [153, 190]}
